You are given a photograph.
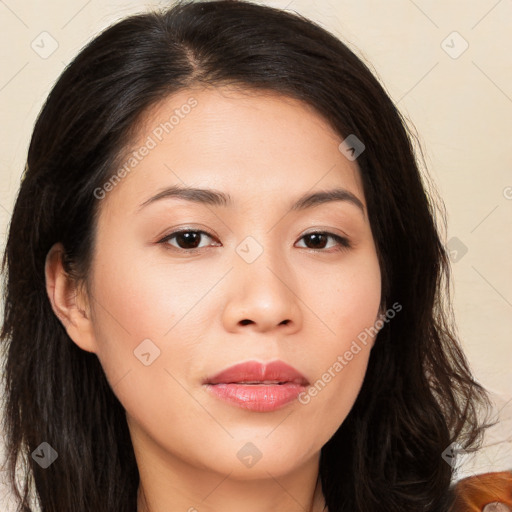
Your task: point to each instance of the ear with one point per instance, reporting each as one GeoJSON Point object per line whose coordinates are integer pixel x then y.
{"type": "Point", "coordinates": [70, 304]}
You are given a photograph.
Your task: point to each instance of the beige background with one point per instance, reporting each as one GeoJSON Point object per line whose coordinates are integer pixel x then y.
{"type": "Point", "coordinates": [459, 100]}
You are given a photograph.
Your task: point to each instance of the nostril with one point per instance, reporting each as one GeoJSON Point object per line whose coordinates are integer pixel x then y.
{"type": "Point", "coordinates": [245, 322]}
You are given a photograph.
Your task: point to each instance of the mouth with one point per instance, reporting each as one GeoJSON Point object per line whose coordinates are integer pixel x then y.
{"type": "Point", "coordinates": [258, 387]}
{"type": "Point", "coordinates": [256, 373]}
{"type": "Point", "coordinates": [258, 383]}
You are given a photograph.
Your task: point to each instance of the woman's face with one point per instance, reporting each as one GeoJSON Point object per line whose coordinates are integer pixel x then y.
{"type": "Point", "coordinates": [248, 282]}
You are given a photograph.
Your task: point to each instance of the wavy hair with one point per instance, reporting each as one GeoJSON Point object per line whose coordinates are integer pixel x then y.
{"type": "Point", "coordinates": [418, 394]}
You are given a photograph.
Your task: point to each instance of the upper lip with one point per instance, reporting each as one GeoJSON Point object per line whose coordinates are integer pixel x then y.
{"type": "Point", "coordinates": [254, 371]}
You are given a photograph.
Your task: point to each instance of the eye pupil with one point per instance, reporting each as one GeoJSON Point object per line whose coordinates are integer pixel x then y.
{"type": "Point", "coordinates": [319, 240]}
{"type": "Point", "coordinates": [188, 237]}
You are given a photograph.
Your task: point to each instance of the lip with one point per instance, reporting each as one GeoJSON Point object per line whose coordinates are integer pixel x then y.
{"type": "Point", "coordinates": [258, 386]}
{"type": "Point", "coordinates": [254, 371]}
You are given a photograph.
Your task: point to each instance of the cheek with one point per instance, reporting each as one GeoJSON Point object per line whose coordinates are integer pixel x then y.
{"type": "Point", "coordinates": [332, 395]}
{"type": "Point", "coordinates": [359, 298]}
{"type": "Point", "coordinates": [348, 305]}
{"type": "Point", "coordinates": [346, 297]}
{"type": "Point", "coordinates": [139, 298]}
{"type": "Point", "coordinates": [141, 329]}
{"type": "Point", "coordinates": [131, 304]}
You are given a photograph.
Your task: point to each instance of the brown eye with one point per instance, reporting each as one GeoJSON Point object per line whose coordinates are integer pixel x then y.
{"type": "Point", "coordinates": [186, 239]}
{"type": "Point", "coordinates": [318, 241]}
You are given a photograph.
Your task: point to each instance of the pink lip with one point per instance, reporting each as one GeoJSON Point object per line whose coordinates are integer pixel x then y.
{"type": "Point", "coordinates": [232, 385]}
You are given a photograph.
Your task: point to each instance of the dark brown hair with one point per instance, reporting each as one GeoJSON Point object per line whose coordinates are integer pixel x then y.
{"type": "Point", "coordinates": [418, 395]}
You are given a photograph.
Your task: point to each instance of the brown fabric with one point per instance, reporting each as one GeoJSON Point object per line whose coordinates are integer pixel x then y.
{"type": "Point", "coordinates": [472, 494]}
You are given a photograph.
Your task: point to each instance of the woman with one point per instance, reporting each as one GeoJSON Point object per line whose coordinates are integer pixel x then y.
{"type": "Point", "coordinates": [224, 278]}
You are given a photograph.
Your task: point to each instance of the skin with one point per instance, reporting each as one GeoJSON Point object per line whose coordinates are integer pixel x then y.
{"type": "Point", "coordinates": [265, 150]}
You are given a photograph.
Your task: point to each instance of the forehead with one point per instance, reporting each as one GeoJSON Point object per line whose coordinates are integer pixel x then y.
{"type": "Point", "coordinates": [252, 144]}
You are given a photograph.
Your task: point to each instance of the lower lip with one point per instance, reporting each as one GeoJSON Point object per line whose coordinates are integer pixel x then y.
{"type": "Point", "coordinates": [257, 397]}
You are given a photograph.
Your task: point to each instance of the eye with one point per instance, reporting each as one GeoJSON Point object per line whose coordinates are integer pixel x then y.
{"type": "Point", "coordinates": [317, 241]}
{"type": "Point", "coordinates": [186, 239]}
{"type": "Point", "coordinates": [190, 240]}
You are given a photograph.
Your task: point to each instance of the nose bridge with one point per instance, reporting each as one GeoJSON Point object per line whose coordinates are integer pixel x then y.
{"type": "Point", "coordinates": [262, 286]}
{"type": "Point", "coordinates": [260, 262]}
{"type": "Point", "coordinates": [263, 260]}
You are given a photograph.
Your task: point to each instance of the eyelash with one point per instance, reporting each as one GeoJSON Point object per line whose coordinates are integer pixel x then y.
{"type": "Point", "coordinates": [343, 243]}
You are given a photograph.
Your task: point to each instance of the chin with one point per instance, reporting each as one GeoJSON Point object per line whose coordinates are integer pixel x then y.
{"type": "Point", "coordinates": [253, 458]}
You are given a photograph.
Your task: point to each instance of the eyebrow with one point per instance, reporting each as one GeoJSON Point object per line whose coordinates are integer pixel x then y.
{"type": "Point", "coordinates": [217, 198]}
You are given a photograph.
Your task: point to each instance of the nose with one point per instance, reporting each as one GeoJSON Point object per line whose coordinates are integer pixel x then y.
{"type": "Point", "coordinates": [262, 295]}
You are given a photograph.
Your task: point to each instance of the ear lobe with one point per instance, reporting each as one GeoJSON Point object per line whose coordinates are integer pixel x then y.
{"type": "Point", "coordinates": [69, 302]}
